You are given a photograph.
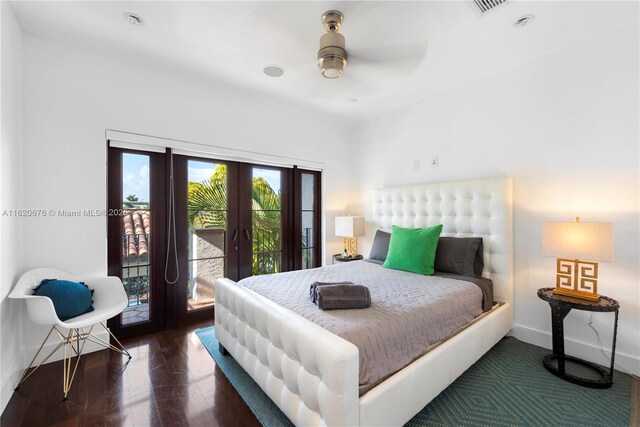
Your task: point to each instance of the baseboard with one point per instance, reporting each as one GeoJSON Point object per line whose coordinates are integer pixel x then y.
{"type": "Point", "coordinates": [20, 363]}
{"type": "Point", "coordinates": [624, 362]}
{"type": "Point", "coordinates": [89, 347]}
{"type": "Point", "coordinates": [9, 382]}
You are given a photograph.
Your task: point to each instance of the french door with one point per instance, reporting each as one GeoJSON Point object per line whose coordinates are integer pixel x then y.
{"type": "Point", "coordinates": [232, 222]}
{"type": "Point", "coordinates": [182, 222]}
{"type": "Point", "coordinates": [136, 230]}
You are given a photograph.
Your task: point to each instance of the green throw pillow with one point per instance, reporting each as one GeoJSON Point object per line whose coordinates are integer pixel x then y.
{"type": "Point", "coordinates": [413, 249]}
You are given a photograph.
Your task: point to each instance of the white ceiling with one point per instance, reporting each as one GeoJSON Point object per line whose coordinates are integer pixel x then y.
{"type": "Point", "coordinates": [400, 52]}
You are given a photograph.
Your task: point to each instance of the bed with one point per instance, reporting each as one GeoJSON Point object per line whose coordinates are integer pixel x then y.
{"type": "Point", "coordinates": [313, 375]}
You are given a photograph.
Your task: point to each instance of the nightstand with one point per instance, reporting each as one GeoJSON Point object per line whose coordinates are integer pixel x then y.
{"type": "Point", "coordinates": [558, 362]}
{"type": "Point", "coordinates": [341, 258]}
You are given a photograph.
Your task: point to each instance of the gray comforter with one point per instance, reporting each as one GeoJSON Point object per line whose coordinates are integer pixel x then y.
{"type": "Point", "coordinates": [408, 312]}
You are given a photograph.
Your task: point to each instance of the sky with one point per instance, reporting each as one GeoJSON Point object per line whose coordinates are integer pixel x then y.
{"type": "Point", "coordinates": [135, 175]}
{"type": "Point", "coordinates": [201, 171]}
{"type": "Point", "coordinates": [271, 176]}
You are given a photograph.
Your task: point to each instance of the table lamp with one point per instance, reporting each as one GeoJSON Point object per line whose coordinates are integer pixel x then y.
{"type": "Point", "coordinates": [350, 227]}
{"type": "Point", "coordinates": [573, 243]}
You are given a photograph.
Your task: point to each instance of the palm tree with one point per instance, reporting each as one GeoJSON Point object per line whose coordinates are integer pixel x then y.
{"type": "Point", "coordinates": [129, 200]}
{"type": "Point", "coordinates": [207, 201]}
{"type": "Point", "coordinates": [207, 208]}
{"type": "Point", "coordinates": [265, 221]}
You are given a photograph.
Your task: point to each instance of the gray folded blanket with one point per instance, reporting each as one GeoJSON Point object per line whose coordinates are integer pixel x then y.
{"type": "Point", "coordinates": [314, 286]}
{"type": "Point", "coordinates": [341, 297]}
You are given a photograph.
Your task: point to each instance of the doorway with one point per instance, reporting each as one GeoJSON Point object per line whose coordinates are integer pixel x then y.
{"type": "Point", "coordinates": [181, 222]}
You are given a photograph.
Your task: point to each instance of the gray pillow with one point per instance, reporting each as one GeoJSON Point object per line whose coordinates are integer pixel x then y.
{"type": "Point", "coordinates": [460, 255]}
{"type": "Point", "coordinates": [380, 246]}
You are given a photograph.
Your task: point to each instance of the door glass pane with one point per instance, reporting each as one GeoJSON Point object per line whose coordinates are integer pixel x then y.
{"type": "Point", "coordinates": [202, 276]}
{"type": "Point", "coordinates": [207, 229]}
{"type": "Point", "coordinates": [266, 223]}
{"type": "Point", "coordinates": [307, 230]}
{"type": "Point", "coordinates": [136, 283]}
{"type": "Point", "coordinates": [308, 185]}
{"type": "Point", "coordinates": [136, 237]}
{"type": "Point", "coordinates": [308, 220]}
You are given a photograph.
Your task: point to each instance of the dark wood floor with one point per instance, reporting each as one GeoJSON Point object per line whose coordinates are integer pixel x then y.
{"type": "Point", "coordinates": [170, 381]}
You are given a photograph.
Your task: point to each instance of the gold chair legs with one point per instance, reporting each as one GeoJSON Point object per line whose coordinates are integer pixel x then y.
{"type": "Point", "coordinates": [73, 344]}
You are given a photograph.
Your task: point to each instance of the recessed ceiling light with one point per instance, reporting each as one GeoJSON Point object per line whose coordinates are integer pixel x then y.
{"type": "Point", "coordinates": [133, 19]}
{"type": "Point", "coordinates": [273, 70]}
{"type": "Point", "coordinates": [523, 20]}
{"type": "Point", "coordinates": [352, 100]}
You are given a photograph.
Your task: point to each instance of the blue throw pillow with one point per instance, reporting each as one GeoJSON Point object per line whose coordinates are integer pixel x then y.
{"type": "Point", "coordinates": [70, 299]}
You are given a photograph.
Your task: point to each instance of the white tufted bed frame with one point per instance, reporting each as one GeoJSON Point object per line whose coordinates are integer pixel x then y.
{"type": "Point", "coordinates": [312, 374]}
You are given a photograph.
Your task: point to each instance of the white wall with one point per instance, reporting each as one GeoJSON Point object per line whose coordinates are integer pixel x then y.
{"type": "Point", "coordinates": [72, 96]}
{"type": "Point", "coordinates": [10, 198]}
{"type": "Point", "coordinates": [566, 129]}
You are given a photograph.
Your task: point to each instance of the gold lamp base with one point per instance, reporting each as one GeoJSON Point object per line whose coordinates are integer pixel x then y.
{"type": "Point", "coordinates": [576, 294]}
{"type": "Point", "coordinates": [577, 279]}
{"type": "Point", "coordinates": [351, 246]}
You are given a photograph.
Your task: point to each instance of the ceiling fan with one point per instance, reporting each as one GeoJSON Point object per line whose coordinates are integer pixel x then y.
{"type": "Point", "coordinates": [332, 56]}
{"type": "Point", "coordinates": [382, 56]}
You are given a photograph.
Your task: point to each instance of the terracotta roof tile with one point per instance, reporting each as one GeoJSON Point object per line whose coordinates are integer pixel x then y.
{"type": "Point", "coordinates": [136, 227]}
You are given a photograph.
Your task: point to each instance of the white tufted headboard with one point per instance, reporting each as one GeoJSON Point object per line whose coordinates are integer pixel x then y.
{"type": "Point", "coordinates": [475, 208]}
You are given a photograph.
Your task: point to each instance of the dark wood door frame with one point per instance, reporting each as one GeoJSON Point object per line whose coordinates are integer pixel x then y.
{"type": "Point", "coordinates": [232, 248]}
{"type": "Point", "coordinates": [245, 205]}
{"type": "Point", "coordinates": [168, 302]}
{"type": "Point", "coordinates": [297, 217]}
{"type": "Point", "coordinates": [158, 201]}
{"type": "Point", "coordinates": [245, 186]}
{"type": "Point", "coordinates": [171, 270]}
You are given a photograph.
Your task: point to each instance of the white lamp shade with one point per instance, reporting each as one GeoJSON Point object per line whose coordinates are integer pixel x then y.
{"type": "Point", "coordinates": [587, 241]}
{"type": "Point", "coordinates": [349, 226]}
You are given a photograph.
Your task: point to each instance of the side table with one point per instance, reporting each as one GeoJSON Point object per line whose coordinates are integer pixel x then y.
{"type": "Point", "coordinates": [342, 258]}
{"type": "Point", "coordinates": [556, 363]}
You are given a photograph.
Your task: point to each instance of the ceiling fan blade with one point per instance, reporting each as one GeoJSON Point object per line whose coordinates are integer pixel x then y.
{"type": "Point", "coordinates": [350, 85]}
{"type": "Point", "coordinates": [370, 78]}
{"type": "Point", "coordinates": [387, 54]}
{"type": "Point", "coordinates": [361, 78]}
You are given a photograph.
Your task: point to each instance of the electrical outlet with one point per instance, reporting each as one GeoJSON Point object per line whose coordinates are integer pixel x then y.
{"type": "Point", "coordinates": [416, 164]}
{"type": "Point", "coordinates": [434, 162]}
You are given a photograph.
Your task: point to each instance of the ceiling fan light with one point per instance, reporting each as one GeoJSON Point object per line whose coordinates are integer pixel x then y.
{"type": "Point", "coordinates": [332, 56]}
{"type": "Point", "coordinates": [332, 67]}
{"type": "Point", "coordinates": [332, 73]}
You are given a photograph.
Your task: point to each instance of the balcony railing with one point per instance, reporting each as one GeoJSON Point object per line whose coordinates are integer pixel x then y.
{"type": "Point", "coordinates": [135, 268]}
{"type": "Point", "coordinates": [137, 289]}
{"type": "Point", "coordinates": [307, 248]}
{"type": "Point", "coordinates": [266, 259]}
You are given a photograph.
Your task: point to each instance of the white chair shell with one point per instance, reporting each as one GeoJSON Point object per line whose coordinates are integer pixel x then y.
{"type": "Point", "coordinates": [109, 300]}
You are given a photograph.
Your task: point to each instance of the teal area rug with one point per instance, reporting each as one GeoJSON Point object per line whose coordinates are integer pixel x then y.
{"type": "Point", "coordinates": [508, 386]}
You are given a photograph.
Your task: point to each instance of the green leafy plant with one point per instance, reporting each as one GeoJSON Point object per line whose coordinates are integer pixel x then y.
{"type": "Point", "coordinates": [137, 287]}
{"type": "Point", "coordinates": [207, 208]}
{"type": "Point", "coordinates": [207, 201]}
